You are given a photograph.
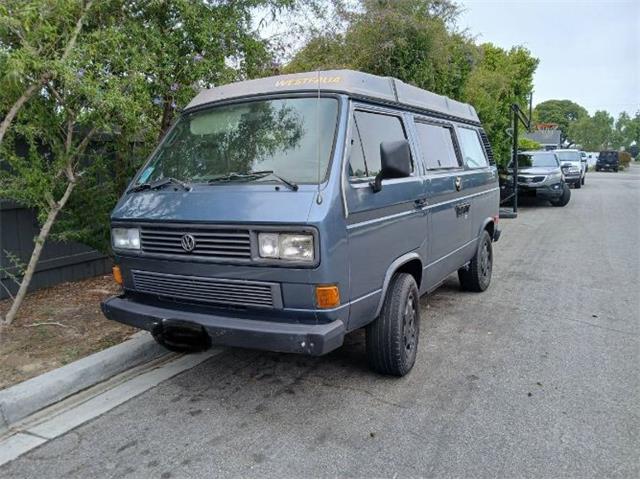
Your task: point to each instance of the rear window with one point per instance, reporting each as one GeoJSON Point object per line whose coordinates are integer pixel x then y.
{"type": "Point", "coordinates": [542, 159]}
{"type": "Point", "coordinates": [608, 156]}
{"type": "Point", "coordinates": [472, 150]}
{"type": "Point", "coordinates": [569, 156]}
{"type": "Point", "coordinates": [436, 143]}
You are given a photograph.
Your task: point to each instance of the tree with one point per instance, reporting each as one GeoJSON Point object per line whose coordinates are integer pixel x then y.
{"type": "Point", "coordinates": [34, 38]}
{"type": "Point", "coordinates": [501, 79]}
{"type": "Point", "coordinates": [561, 112]}
{"type": "Point", "coordinates": [626, 133]}
{"type": "Point", "coordinates": [411, 40]}
{"type": "Point", "coordinates": [74, 72]}
{"type": "Point", "coordinates": [78, 96]}
{"type": "Point", "coordinates": [417, 42]}
{"type": "Point", "coordinates": [593, 133]}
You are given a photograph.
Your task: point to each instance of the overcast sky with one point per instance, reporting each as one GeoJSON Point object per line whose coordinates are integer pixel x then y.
{"type": "Point", "coordinates": [589, 51]}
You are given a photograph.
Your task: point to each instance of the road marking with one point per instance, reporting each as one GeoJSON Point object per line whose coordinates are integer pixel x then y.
{"type": "Point", "coordinates": [57, 423]}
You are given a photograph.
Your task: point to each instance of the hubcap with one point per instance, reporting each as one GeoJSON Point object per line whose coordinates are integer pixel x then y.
{"type": "Point", "coordinates": [409, 324]}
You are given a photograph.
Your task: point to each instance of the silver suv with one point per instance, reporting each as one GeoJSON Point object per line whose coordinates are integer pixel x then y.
{"type": "Point", "coordinates": [540, 175]}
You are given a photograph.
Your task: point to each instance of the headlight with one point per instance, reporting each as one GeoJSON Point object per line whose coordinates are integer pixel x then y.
{"type": "Point", "coordinates": [286, 246]}
{"type": "Point", "coordinates": [125, 238]}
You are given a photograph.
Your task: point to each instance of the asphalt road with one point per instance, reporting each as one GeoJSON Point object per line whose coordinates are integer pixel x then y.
{"type": "Point", "coordinates": [537, 377]}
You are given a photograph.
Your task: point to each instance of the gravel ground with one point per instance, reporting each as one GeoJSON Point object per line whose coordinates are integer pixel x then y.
{"type": "Point", "coordinates": [536, 377]}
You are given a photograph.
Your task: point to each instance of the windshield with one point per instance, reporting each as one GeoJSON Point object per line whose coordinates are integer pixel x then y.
{"type": "Point", "coordinates": [537, 160]}
{"type": "Point", "coordinates": [568, 156]}
{"type": "Point", "coordinates": [286, 136]}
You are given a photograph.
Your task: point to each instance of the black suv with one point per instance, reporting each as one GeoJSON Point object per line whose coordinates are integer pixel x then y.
{"type": "Point", "coordinates": [608, 160]}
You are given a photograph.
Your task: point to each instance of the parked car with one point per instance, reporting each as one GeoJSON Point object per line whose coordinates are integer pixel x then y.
{"type": "Point", "coordinates": [539, 175]}
{"type": "Point", "coordinates": [573, 168]}
{"type": "Point", "coordinates": [282, 213]}
{"type": "Point", "coordinates": [585, 162]}
{"type": "Point", "coordinates": [608, 160]}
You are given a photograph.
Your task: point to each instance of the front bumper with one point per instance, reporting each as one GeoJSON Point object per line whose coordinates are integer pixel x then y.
{"type": "Point", "coordinates": [545, 192]}
{"type": "Point", "coordinates": [572, 178]}
{"type": "Point", "coordinates": [231, 331]}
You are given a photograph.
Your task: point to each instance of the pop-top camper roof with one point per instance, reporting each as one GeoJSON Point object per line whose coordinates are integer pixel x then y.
{"type": "Point", "coordinates": [357, 84]}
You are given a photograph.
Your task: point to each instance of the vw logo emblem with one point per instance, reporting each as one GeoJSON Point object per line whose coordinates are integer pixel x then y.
{"type": "Point", "coordinates": [188, 242]}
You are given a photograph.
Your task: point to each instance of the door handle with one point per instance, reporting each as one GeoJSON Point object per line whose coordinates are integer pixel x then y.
{"type": "Point", "coordinates": [462, 209]}
{"type": "Point", "coordinates": [420, 202]}
{"type": "Point", "coordinates": [458, 184]}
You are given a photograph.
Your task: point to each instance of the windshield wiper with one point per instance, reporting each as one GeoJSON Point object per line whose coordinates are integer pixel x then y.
{"type": "Point", "coordinates": [252, 176]}
{"type": "Point", "coordinates": [158, 184]}
{"type": "Point", "coordinates": [229, 177]}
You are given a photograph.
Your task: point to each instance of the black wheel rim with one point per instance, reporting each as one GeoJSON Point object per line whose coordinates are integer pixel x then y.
{"type": "Point", "coordinates": [409, 330]}
{"type": "Point", "coordinates": [485, 261]}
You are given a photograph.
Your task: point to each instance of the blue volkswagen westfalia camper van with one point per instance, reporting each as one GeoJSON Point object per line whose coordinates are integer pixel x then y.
{"type": "Point", "coordinates": [284, 212]}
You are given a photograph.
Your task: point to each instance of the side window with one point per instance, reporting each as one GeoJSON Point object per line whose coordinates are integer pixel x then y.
{"type": "Point", "coordinates": [371, 129]}
{"type": "Point", "coordinates": [436, 143]}
{"type": "Point", "coordinates": [471, 148]}
{"type": "Point", "coordinates": [357, 167]}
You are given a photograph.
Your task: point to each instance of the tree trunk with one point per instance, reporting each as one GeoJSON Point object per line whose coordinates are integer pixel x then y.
{"type": "Point", "coordinates": [6, 121]}
{"type": "Point", "coordinates": [167, 116]}
{"type": "Point", "coordinates": [37, 251]}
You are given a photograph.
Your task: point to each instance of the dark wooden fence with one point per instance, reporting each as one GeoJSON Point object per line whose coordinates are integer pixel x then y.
{"type": "Point", "coordinates": [60, 261]}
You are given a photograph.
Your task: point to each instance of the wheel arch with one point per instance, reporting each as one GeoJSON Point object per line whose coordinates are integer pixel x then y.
{"type": "Point", "coordinates": [489, 225]}
{"type": "Point", "coordinates": [410, 263]}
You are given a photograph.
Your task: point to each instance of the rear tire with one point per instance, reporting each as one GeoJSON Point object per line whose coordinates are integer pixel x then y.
{"type": "Point", "coordinates": [477, 277]}
{"type": "Point", "coordinates": [564, 198]}
{"type": "Point", "coordinates": [392, 338]}
{"type": "Point", "coordinates": [615, 169]}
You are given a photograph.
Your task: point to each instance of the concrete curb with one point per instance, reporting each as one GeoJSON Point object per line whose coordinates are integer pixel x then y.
{"type": "Point", "coordinates": [26, 398]}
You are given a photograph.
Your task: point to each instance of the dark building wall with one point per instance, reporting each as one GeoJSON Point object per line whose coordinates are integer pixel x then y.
{"type": "Point", "coordinates": [59, 262]}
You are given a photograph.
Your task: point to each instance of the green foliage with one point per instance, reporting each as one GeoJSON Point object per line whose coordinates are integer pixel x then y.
{"type": "Point", "coordinates": [114, 91]}
{"type": "Point", "coordinates": [593, 133]}
{"type": "Point", "coordinates": [501, 79]}
{"type": "Point", "coordinates": [416, 41]}
{"type": "Point", "coordinates": [562, 112]}
{"type": "Point", "coordinates": [626, 133]}
{"type": "Point", "coordinates": [409, 40]}
{"type": "Point", "coordinates": [625, 159]}
{"type": "Point", "coordinates": [527, 144]}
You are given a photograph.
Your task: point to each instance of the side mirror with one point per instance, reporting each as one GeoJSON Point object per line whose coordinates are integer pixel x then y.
{"type": "Point", "coordinates": [395, 160]}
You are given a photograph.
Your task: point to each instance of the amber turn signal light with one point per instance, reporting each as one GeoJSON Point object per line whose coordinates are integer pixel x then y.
{"type": "Point", "coordinates": [117, 274]}
{"type": "Point", "coordinates": [327, 296]}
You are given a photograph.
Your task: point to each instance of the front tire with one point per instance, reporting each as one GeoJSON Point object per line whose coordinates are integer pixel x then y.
{"type": "Point", "coordinates": [392, 338]}
{"type": "Point", "coordinates": [477, 277]}
{"type": "Point", "coordinates": [564, 198]}
{"type": "Point", "coordinates": [578, 184]}
{"type": "Point", "coordinates": [584, 179]}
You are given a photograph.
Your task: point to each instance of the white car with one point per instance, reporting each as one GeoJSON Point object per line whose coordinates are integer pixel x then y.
{"type": "Point", "coordinates": [573, 167]}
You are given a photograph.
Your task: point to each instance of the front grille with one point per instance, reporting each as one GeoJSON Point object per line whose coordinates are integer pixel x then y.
{"type": "Point", "coordinates": [210, 242]}
{"type": "Point", "coordinates": [208, 290]}
{"type": "Point", "coordinates": [530, 179]}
